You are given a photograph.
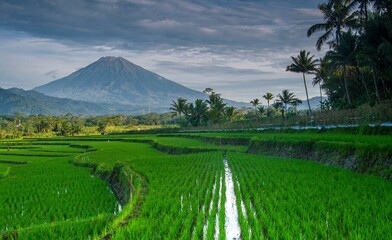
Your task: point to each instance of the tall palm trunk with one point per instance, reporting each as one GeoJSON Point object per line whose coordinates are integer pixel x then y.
{"type": "Point", "coordinates": [285, 108]}
{"type": "Point", "coordinates": [307, 96]}
{"type": "Point", "coordinates": [366, 12]}
{"type": "Point", "coordinates": [321, 93]}
{"type": "Point", "coordinates": [345, 85]}
{"type": "Point", "coordinates": [363, 82]}
{"type": "Point", "coordinates": [375, 83]}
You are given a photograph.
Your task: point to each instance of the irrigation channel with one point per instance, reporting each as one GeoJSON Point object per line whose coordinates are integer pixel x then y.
{"type": "Point", "coordinates": [232, 226]}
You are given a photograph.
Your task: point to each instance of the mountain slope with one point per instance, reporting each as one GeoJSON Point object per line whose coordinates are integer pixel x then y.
{"type": "Point", "coordinates": [116, 80]}
{"type": "Point", "coordinates": [16, 100]}
{"type": "Point", "coordinates": [314, 103]}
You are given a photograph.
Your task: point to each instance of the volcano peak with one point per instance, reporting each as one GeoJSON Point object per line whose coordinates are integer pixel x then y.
{"type": "Point", "coordinates": [116, 80]}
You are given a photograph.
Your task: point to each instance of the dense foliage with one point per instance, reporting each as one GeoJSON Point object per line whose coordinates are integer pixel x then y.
{"type": "Point", "coordinates": [215, 111]}
{"type": "Point", "coordinates": [68, 125]}
{"type": "Point", "coordinates": [357, 69]}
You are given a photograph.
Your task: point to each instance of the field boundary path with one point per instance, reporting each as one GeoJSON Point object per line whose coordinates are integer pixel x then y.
{"type": "Point", "coordinates": [136, 201]}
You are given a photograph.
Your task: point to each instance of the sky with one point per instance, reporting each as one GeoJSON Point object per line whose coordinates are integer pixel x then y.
{"type": "Point", "coordinates": [240, 48]}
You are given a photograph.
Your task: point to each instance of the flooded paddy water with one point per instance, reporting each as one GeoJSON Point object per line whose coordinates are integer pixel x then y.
{"type": "Point", "coordinates": [232, 226]}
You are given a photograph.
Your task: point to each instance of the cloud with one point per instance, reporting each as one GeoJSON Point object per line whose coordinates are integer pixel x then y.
{"type": "Point", "coordinates": [224, 43]}
{"type": "Point", "coordinates": [52, 74]}
{"type": "Point", "coordinates": [310, 12]}
{"type": "Point", "coordinates": [148, 23]}
{"type": "Point", "coordinates": [166, 23]}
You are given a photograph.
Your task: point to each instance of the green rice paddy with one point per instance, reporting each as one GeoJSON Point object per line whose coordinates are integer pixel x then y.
{"type": "Point", "coordinates": [173, 187]}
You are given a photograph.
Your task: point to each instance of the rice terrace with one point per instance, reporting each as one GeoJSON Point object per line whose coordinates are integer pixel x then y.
{"type": "Point", "coordinates": [215, 185]}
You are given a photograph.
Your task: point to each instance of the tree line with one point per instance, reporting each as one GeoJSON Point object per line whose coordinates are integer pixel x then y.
{"type": "Point", "coordinates": [214, 110]}
{"type": "Point", "coordinates": [68, 125]}
{"type": "Point", "coordinates": [357, 68]}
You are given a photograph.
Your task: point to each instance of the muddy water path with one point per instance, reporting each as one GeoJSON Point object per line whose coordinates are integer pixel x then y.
{"type": "Point", "coordinates": [232, 226]}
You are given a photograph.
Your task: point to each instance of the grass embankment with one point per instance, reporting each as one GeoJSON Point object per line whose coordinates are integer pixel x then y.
{"type": "Point", "coordinates": [359, 152]}
{"type": "Point", "coordinates": [361, 157]}
{"type": "Point", "coordinates": [177, 145]}
{"type": "Point", "coordinates": [129, 187]}
{"type": "Point", "coordinates": [171, 144]}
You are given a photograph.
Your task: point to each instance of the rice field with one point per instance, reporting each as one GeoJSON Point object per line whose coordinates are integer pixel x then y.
{"type": "Point", "coordinates": [285, 198]}
{"type": "Point", "coordinates": [46, 197]}
{"type": "Point", "coordinates": [176, 187]}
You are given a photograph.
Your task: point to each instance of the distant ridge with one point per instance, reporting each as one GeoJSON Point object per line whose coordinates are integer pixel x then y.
{"type": "Point", "coordinates": [15, 100]}
{"type": "Point", "coordinates": [314, 103]}
{"type": "Point", "coordinates": [116, 80]}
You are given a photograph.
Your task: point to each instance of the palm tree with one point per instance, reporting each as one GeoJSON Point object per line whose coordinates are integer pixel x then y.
{"type": "Point", "coordinates": [383, 6]}
{"type": "Point", "coordinates": [318, 79]}
{"type": "Point", "coordinates": [268, 96]}
{"type": "Point", "coordinates": [343, 55]}
{"type": "Point", "coordinates": [261, 110]}
{"type": "Point", "coordinates": [376, 30]}
{"type": "Point", "coordinates": [197, 112]}
{"type": "Point", "coordinates": [179, 107]}
{"type": "Point", "coordinates": [337, 15]}
{"type": "Point", "coordinates": [305, 65]}
{"type": "Point", "coordinates": [254, 103]}
{"type": "Point", "coordinates": [363, 9]}
{"type": "Point", "coordinates": [208, 91]}
{"type": "Point", "coordinates": [217, 107]}
{"type": "Point", "coordinates": [231, 113]}
{"type": "Point", "coordinates": [288, 98]}
{"type": "Point", "coordinates": [278, 106]}
{"type": "Point", "coordinates": [322, 74]}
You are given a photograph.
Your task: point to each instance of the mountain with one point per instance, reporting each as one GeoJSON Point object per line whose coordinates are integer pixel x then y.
{"type": "Point", "coordinates": [314, 103]}
{"type": "Point", "coordinates": [16, 100]}
{"type": "Point", "coordinates": [116, 80]}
